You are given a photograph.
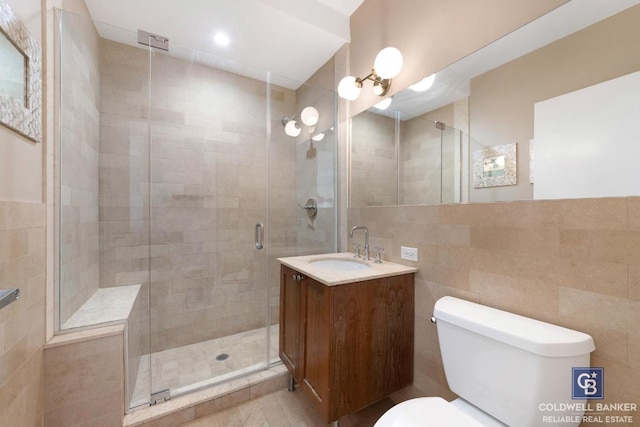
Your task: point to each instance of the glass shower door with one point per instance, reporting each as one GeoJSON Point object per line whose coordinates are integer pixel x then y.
{"type": "Point", "coordinates": [209, 160]}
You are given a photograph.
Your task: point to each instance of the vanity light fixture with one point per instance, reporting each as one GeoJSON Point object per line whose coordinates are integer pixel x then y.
{"type": "Point", "coordinates": [309, 116]}
{"type": "Point", "coordinates": [386, 66]}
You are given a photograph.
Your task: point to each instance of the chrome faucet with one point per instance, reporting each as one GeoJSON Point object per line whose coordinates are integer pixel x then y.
{"type": "Point", "coordinates": [366, 239]}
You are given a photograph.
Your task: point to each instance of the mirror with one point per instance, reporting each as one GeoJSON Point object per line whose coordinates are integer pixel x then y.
{"type": "Point", "coordinates": [397, 159]}
{"type": "Point", "coordinates": [20, 77]}
{"type": "Point", "coordinates": [13, 71]}
{"type": "Point", "coordinates": [489, 99]}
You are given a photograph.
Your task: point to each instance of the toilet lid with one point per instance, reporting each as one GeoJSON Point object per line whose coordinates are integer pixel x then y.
{"type": "Point", "coordinates": [426, 412]}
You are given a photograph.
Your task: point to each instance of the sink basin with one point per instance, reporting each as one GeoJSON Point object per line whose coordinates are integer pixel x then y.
{"type": "Point", "coordinates": [339, 264]}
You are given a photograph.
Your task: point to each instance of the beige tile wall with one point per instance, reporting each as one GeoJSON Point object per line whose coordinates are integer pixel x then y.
{"type": "Point", "coordinates": [22, 265]}
{"type": "Point", "coordinates": [420, 165]}
{"type": "Point", "coordinates": [373, 143]}
{"type": "Point", "coordinates": [426, 168]}
{"type": "Point", "coordinates": [573, 263]}
{"type": "Point", "coordinates": [84, 382]}
{"type": "Point", "coordinates": [137, 346]}
{"type": "Point", "coordinates": [316, 166]}
{"type": "Point", "coordinates": [79, 161]}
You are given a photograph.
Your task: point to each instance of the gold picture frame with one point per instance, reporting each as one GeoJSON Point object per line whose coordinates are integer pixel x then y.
{"type": "Point", "coordinates": [21, 106]}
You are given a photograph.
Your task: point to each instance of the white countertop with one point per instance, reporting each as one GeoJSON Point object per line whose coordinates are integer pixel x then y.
{"type": "Point", "coordinates": [333, 277]}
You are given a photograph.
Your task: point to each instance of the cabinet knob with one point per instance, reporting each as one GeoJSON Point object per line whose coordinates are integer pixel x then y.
{"type": "Point", "coordinates": [297, 277]}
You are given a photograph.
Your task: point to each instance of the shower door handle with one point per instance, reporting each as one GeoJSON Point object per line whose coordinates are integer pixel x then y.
{"type": "Point", "coordinates": [259, 235]}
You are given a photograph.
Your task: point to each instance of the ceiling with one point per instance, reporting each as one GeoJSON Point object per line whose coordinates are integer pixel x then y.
{"type": "Point", "coordinates": [289, 38]}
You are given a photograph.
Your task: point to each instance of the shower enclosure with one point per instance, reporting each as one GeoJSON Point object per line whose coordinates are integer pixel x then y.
{"type": "Point", "coordinates": [170, 170]}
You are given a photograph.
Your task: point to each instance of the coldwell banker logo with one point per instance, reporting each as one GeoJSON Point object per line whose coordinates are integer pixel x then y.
{"type": "Point", "coordinates": [588, 383]}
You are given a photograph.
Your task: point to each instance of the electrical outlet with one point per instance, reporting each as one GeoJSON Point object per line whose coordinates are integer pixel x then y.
{"type": "Point", "coordinates": [410, 254]}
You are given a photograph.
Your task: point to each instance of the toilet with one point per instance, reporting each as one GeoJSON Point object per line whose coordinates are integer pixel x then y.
{"type": "Point", "coordinates": [506, 369]}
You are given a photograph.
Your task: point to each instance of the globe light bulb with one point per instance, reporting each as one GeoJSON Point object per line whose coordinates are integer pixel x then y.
{"type": "Point", "coordinates": [378, 89]}
{"type": "Point", "coordinates": [388, 63]}
{"type": "Point", "coordinates": [318, 137]}
{"type": "Point", "coordinates": [384, 104]}
{"type": "Point", "coordinates": [291, 129]}
{"type": "Point", "coordinates": [348, 89]}
{"type": "Point", "coordinates": [424, 84]}
{"type": "Point", "coordinates": [309, 116]}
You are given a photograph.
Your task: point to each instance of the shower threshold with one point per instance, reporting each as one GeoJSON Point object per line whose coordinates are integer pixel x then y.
{"type": "Point", "coordinates": [196, 366]}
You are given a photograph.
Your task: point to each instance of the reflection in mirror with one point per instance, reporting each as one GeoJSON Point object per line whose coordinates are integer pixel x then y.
{"type": "Point", "coordinates": [13, 70]}
{"type": "Point", "coordinates": [398, 159]}
{"type": "Point", "coordinates": [493, 93]}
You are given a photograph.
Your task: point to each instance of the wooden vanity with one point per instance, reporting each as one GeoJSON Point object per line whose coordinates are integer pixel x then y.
{"type": "Point", "coordinates": [347, 345]}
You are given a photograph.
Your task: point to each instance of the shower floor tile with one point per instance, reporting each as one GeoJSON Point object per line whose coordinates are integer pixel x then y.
{"type": "Point", "coordinates": [195, 366]}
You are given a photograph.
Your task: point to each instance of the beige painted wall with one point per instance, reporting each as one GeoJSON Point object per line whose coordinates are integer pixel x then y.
{"type": "Point", "coordinates": [20, 158]}
{"type": "Point", "coordinates": [502, 100]}
{"type": "Point", "coordinates": [431, 34]}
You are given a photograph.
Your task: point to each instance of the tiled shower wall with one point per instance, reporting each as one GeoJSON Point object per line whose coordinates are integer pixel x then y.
{"type": "Point", "coordinates": [574, 263]}
{"type": "Point", "coordinates": [209, 187]}
{"type": "Point", "coordinates": [373, 143]}
{"type": "Point", "coordinates": [316, 166]}
{"type": "Point", "coordinates": [79, 158]}
{"type": "Point", "coordinates": [420, 165]}
{"type": "Point", "coordinates": [424, 172]}
{"type": "Point", "coordinates": [430, 158]}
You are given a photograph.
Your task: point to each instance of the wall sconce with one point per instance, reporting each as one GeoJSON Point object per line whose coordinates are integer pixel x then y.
{"type": "Point", "coordinates": [309, 116]}
{"type": "Point", "coordinates": [386, 66]}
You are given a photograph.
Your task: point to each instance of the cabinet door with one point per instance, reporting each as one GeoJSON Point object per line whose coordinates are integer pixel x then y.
{"type": "Point", "coordinates": [290, 321]}
{"type": "Point", "coordinates": [316, 347]}
{"type": "Point", "coordinates": [373, 341]}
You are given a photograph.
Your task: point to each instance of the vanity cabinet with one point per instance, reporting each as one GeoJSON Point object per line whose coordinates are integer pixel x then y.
{"type": "Point", "coordinates": [348, 345]}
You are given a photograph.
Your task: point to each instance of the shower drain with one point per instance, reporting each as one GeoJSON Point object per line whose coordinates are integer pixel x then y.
{"type": "Point", "coordinates": [222, 356]}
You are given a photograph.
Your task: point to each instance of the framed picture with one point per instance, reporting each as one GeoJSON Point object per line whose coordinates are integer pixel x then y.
{"type": "Point", "coordinates": [495, 166]}
{"type": "Point", "coordinates": [21, 77]}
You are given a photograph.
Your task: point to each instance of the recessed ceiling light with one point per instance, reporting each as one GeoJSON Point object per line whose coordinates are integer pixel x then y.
{"type": "Point", "coordinates": [221, 39]}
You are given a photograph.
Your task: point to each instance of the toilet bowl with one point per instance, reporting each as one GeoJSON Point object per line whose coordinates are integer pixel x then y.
{"type": "Point", "coordinates": [436, 412]}
{"type": "Point", "coordinates": [502, 366]}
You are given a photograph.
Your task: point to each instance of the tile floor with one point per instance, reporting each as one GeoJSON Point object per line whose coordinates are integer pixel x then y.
{"type": "Point", "coordinates": [193, 366]}
{"type": "Point", "coordinates": [285, 409]}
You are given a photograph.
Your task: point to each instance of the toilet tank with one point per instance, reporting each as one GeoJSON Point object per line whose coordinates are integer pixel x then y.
{"type": "Point", "coordinates": [509, 365]}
